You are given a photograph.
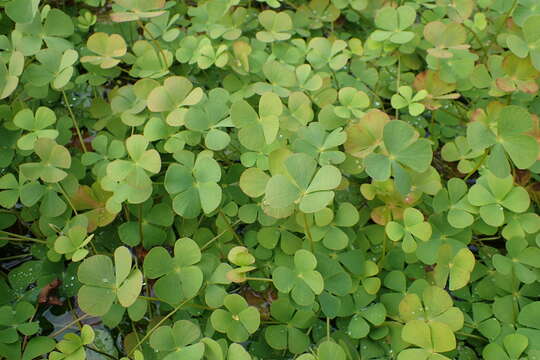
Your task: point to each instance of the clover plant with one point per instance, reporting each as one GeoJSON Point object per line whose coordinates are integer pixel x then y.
{"type": "Point", "coordinates": [269, 179]}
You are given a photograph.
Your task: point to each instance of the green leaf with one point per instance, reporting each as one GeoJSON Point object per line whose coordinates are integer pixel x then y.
{"type": "Point", "coordinates": [492, 194]}
{"type": "Point", "coordinates": [53, 157]}
{"type": "Point", "coordinates": [276, 25]}
{"type": "Point", "coordinates": [237, 351]}
{"type": "Point", "coordinates": [22, 11]}
{"type": "Point", "coordinates": [457, 268]}
{"type": "Point", "coordinates": [176, 92]}
{"type": "Point", "coordinates": [36, 124]}
{"type": "Point", "coordinates": [526, 315]}
{"type": "Point", "coordinates": [179, 278]}
{"type": "Point", "coordinates": [238, 321]}
{"type": "Point", "coordinates": [329, 350]}
{"type": "Point", "coordinates": [304, 282]}
{"type": "Point", "coordinates": [103, 283]}
{"type": "Point", "coordinates": [58, 24]}
{"type": "Point", "coordinates": [108, 49]}
{"type": "Point", "coordinates": [515, 344]}
{"type": "Point", "coordinates": [37, 346]}
{"type": "Point", "coordinates": [253, 182]}
{"type": "Point", "coordinates": [178, 341]}
{"type": "Point", "coordinates": [257, 130]}
{"type": "Point", "coordinates": [194, 186]}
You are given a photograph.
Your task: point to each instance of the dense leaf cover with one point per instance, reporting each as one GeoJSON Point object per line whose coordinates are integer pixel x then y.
{"type": "Point", "coordinates": [269, 179]}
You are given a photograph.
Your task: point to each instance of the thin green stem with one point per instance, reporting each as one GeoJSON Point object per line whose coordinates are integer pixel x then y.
{"type": "Point", "coordinates": [461, 105]}
{"type": "Point", "coordinates": [126, 212]}
{"type": "Point", "coordinates": [327, 328]}
{"type": "Point", "coordinates": [393, 318]}
{"type": "Point", "coordinates": [15, 257]}
{"type": "Point", "coordinates": [459, 117]}
{"type": "Point", "coordinates": [70, 324]}
{"type": "Point", "coordinates": [23, 240]}
{"type": "Point", "coordinates": [100, 352]}
{"type": "Point", "coordinates": [8, 211]}
{"type": "Point", "coordinates": [475, 35]}
{"type": "Point", "coordinates": [136, 334]}
{"type": "Point", "coordinates": [480, 162]}
{"type": "Point", "coordinates": [291, 4]}
{"type": "Point", "coordinates": [25, 340]}
{"type": "Point", "coordinates": [140, 224]}
{"type": "Point", "coordinates": [515, 306]}
{"type": "Point", "coordinates": [217, 236]}
{"type": "Point", "coordinates": [162, 59]}
{"type": "Point", "coordinates": [335, 79]}
{"type": "Point", "coordinates": [489, 238]}
{"type": "Point", "coordinates": [75, 123]}
{"type": "Point", "coordinates": [158, 325]}
{"type": "Point", "coordinates": [199, 306]}
{"type": "Point", "coordinates": [398, 76]}
{"type": "Point", "coordinates": [18, 236]}
{"type": "Point", "coordinates": [148, 293]}
{"type": "Point", "coordinates": [469, 325]}
{"type": "Point", "coordinates": [383, 256]}
{"type": "Point", "coordinates": [229, 226]}
{"type": "Point", "coordinates": [258, 279]}
{"type": "Point", "coordinates": [307, 231]}
{"type": "Point", "coordinates": [374, 93]}
{"type": "Point", "coordinates": [459, 333]}
{"type": "Point", "coordinates": [67, 198]}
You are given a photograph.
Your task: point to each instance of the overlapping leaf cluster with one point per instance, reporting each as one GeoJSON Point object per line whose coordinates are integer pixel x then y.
{"type": "Point", "coordinates": [270, 179]}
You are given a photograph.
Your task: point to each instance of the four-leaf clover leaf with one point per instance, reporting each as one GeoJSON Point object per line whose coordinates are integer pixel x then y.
{"type": "Point", "coordinates": [288, 335]}
{"type": "Point", "coordinates": [324, 53]}
{"type": "Point", "coordinates": [460, 150]}
{"type": "Point", "coordinates": [405, 98]}
{"type": "Point", "coordinates": [509, 137]}
{"type": "Point", "coordinates": [493, 194]}
{"type": "Point", "coordinates": [513, 345]}
{"type": "Point", "coordinates": [36, 124]}
{"type": "Point", "coordinates": [303, 282]}
{"type": "Point", "coordinates": [193, 184]}
{"type": "Point", "coordinates": [72, 346]}
{"type": "Point", "coordinates": [394, 22]}
{"type": "Point", "coordinates": [238, 321]}
{"type": "Point", "coordinates": [352, 102]}
{"type": "Point", "coordinates": [178, 341]}
{"type": "Point", "coordinates": [455, 268]}
{"type": "Point", "coordinates": [277, 26]}
{"type": "Point", "coordinates": [403, 148]}
{"type": "Point", "coordinates": [103, 283]}
{"type": "Point", "coordinates": [518, 261]}
{"type": "Point", "coordinates": [128, 179]}
{"type": "Point", "coordinates": [303, 184]}
{"type": "Point", "coordinates": [53, 157]}
{"type": "Point", "coordinates": [175, 93]}
{"type": "Point", "coordinates": [108, 49]}
{"type": "Point", "coordinates": [73, 241]}
{"type": "Point", "coordinates": [179, 276]}
{"type": "Point", "coordinates": [413, 227]}
{"type": "Point", "coordinates": [454, 200]}
{"type": "Point", "coordinates": [257, 130]}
